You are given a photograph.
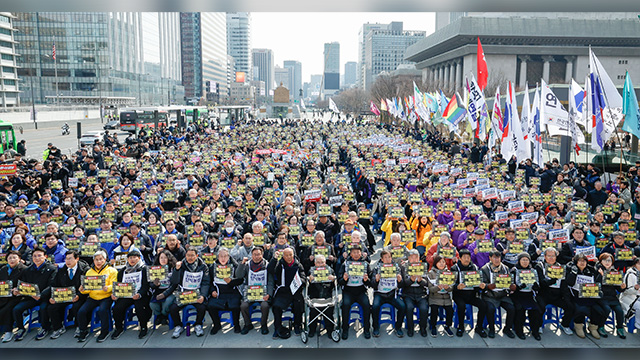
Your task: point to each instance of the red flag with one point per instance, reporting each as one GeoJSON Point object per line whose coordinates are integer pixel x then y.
{"type": "Point", "coordinates": [483, 74]}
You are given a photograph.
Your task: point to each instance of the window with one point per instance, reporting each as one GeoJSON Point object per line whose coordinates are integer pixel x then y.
{"type": "Point", "coordinates": [10, 82]}
{"type": "Point", "coordinates": [5, 44]}
{"type": "Point", "coordinates": [7, 57]}
{"type": "Point", "coordinates": [6, 69]}
{"type": "Point", "coordinates": [5, 31]}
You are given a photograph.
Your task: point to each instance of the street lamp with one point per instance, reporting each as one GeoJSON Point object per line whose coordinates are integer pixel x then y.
{"type": "Point", "coordinates": [33, 105]}
{"type": "Point", "coordinates": [55, 69]}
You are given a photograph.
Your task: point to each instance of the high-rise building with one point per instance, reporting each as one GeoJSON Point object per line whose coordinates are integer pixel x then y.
{"type": "Point", "coordinates": [384, 49]}
{"type": "Point", "coordinates": [296, 81]}
{"type": "Point", "coordinates": [364, 30]}
{"type": "Point", "coordinates": [331, 68]}
{"type": "Point", "coordinates": [264, 68]}
{"type": "Point", "coordinates": [214, 55]}
{"type": "Point", "coordinates": [191, 54]}
{"type": "Point", "coordinates": [239, 41]}
{"type": "Point", "coordinates": [9, 90]}
{"type": "Point", "coordinates": [116, 57]}
{"type": "Point", "coordinates": [349, 74]}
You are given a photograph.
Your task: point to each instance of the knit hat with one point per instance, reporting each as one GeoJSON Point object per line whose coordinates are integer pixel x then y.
{"type": "Point", "coordinates": [524, 254]}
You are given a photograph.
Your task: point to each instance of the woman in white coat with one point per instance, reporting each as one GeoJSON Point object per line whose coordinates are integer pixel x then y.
{"type": "Point", "coordinates": [629, 296]}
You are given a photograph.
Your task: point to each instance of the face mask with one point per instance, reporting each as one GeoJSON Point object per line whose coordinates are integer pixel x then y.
{"type": "Point", "coordinates": [229, 229]}
{"type": "Point", "coordinates": [67, 202]}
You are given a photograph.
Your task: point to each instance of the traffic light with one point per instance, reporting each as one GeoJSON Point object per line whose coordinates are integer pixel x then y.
{"type": "Point", "coordinates": [208, 86]}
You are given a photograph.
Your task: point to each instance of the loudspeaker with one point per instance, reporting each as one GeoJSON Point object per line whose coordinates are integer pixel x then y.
{"type": "Point", "coordinates": [79, 127]}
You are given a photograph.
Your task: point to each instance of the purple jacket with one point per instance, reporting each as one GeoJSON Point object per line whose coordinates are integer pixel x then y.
{"type": "Point", "coordinates": [480, 258]}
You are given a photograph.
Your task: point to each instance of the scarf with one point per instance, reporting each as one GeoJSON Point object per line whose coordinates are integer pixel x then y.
{"type": "Point", "coordinates": [128, 269]}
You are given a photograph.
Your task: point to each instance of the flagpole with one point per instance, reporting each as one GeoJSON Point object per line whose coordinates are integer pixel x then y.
{"type": "Point", "coordinates": [622, 157]}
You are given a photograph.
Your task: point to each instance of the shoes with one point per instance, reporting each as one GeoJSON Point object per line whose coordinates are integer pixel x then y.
{"type": "Point", "coordinates": [521, 336]}
{"type": "Point", "coordinates": [20, 335]}
{"type": "Point", "coordinates": [237, 329]}
{"type": "Point", "coordinates": [57, 333]}
{"type": "Point", "coordinates": [536, 335]}
{"type": "Point", "coordinates": [449, 332]}
{"type": "Point", "coordinates": [492, 333]}
{"type": "Point", "coordinates": [367, 334]}
{"type": "Point", "coordinates": [399, 333]}
{"type": "Point", "coordinates": [215, 329]}
{"type": "Point", "coordinates": [602, 332]}
{"type": "Point", "coordinates": [578, 328]}
{"type": "Point", "coordinates": [508, 333]}
{"type": "Point", "coordinates": [42, 334]}
{"type": "Point", "coordinates": [143, 333]}
{"type": "Point", "coordinates": [376, 332]}
{"type": "Point", "coordinates": [345, 335]}
{"type": "Point", "coordinates": [459, 332]}
{"type": "Point", "coordinates": [116, 334]}
{"type": "Point", "coordinates": [312, 333]}
{"type": "Point", "coordinates": [297, 330]}
{"type": "Point", "coordinates": [83, 336]}
{"type": "Point", "coordinates": [621, 334]}
{"type": "Point", "coordinates": [434, 332]}
{"type": "Point", "coordinates": [245, 330]}
{"type": "Point", "coordinates": [199, 331]}
{"type": "Point", "coordinates": [593, 330]}
{"type": "Point", "coordinates": [567, 330]}
{"type": "Point", "coordinates": [102, 337]}
{"type": "Point", "coordinates": [7, 336]}
{"type": "Point", "coordinates": [76, 334]}
{"type": "Point", "coordinates": [410, 332]}
{"type": "Point", "coordinates": [481, 332]}
{"type": "Point", "coordinates": [264, 330]}
{"type": "Point", "coordinates": [177, 331]}
{"type": "Point", "coordinates": [423, 332]}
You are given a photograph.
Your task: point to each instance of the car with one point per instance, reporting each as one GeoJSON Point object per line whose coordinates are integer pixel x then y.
{"type": "Point", "coordinates": [90, 137]}
{"type": "Point", "coordinates": [112, 125]}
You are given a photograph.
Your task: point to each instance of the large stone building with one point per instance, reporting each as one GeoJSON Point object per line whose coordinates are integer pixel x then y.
{"type": "Point", "coordinates": [525, 47]}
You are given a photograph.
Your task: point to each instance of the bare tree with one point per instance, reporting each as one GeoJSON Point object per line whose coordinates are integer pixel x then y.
{"type": "Point", "coordinates": [353, 101]}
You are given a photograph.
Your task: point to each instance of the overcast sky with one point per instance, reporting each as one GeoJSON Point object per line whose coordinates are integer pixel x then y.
{"type": "Point", "coordinates": [301, 36]}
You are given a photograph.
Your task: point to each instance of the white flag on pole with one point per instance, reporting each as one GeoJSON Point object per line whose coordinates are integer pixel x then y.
{"type": "Point", "coordinates": [332, 106]}
{"type": "Point", "coordinates": [552, 113]}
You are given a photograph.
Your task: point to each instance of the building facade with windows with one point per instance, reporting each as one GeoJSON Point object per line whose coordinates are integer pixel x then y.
{"type": "Point", "coordinates": [100, 55]}
{"type": "Point", "coordinates": [10, 86]}
{"type": "Point", "coordinates": [527, 47]}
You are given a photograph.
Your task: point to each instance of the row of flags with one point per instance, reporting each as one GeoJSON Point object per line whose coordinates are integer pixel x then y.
{"type": "Point", "coordinates": [598, 109]}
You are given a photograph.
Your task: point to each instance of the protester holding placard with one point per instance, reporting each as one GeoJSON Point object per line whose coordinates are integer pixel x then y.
{"type": "Point", "coordinates": [135, 273]}
{"type": "Point", "coordinates": [575, 244]}
{"type": "Point", "coordinates": [160, 286]}
{"type": "Point", "coordinates": [414, 291]}
{"type": "Point", "coordinates": [68, 276]}
{"type": "Point", "coordinates": [445, 249]}
{"type": "Point", "coordinates": [353, 276]}
{"type": "Point", "coordinates": [191, 276]}
{"type": "Point", "coordinates": [498, 279]}
{"type": "Point", "coordinates": [622, 254]}
{"type": "Point", "coordinates": [320, 288]}
{"type": "Point", "coordinates": [468, 293]}
{"type": "Point", "coordinates": [510, 248]}
{"type": "Point", "coordinates": [320, 246]}
{"type": "Point", "coordinates": [440, 295]}
{"type": "Point", "coordinates": [385, 281]}
{"type": "Point", "coordinates": [551, 277]}
{"type": "Point", "coordinates": [524, 288]}
{"type": "Point", "coordinates": [99, 297]}
{"type": "Point", "coordinates": [612, 284]}
{"type": "Point", "coordinates": [9, 274]}
{"type": "Point", "coordinates": [40, 276]}
{"type": "Point", "coordinates": [254, 274]}
{"type": "Point", "coordinates": [580, 274]}
{"type": "Point", "coordinates": [224, 294]}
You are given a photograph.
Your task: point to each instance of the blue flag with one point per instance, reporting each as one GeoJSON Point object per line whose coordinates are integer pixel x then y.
{"type": "Point", "coordinates": [630, 108]}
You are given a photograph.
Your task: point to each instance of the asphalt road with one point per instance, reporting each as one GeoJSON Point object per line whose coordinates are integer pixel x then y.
{"type": "Point", "coordinates": [37, 140]}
